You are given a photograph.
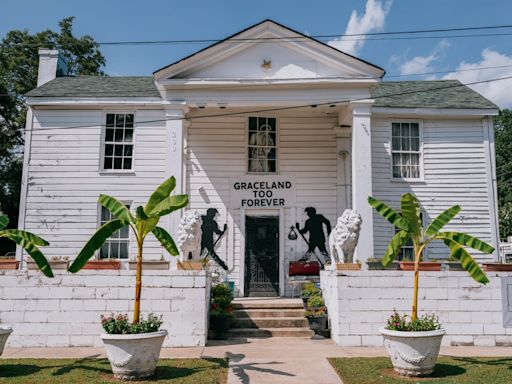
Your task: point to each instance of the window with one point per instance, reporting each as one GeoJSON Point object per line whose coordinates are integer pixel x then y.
{"type": "Point", "coordinates": [405, 150]}
{"type": "Point", "coordinates": [116, 246]}
{"type": "Point", "coordinates": [118, 153]}
{"type": "Point", "coordinates": [407, 251]}
{"type": "Point", "coordinates": [262, 145]}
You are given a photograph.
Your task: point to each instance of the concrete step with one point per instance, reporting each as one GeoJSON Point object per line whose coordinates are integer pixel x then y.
{"type": "Point", "coordinates": [271, 322]}
{"type": "Point", "coordinates": [258, 313]}
{"type": "Point", "coordinates": [269, 332]}
{"type": "Point", "coordinates": [268, 304]}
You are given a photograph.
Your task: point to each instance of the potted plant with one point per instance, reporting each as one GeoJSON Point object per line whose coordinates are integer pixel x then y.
{"type": "Point", "coordinates": [414, 345]}
{"type": "Point", "coordinates": [102, 264]}
{"type": "Point", "coordinates": [375, 264]}
{"type": "Point", "coordinates": [431, 265]}
{"type": "Point", "coordinates": [316, 314]}
{"type": "Point", "coordinates": [161, 264]}
{"type": "Point", "coordinates": [9, 263]}
{"type": "Point", "coordinates": [56, 262]}
{"type": "Point", "coordinates": [30, 243]}
{"type": "Point", "coordinates": [134, 355]}
{"type": "Point", "coordinates": [221, 311]}
{"type": "Point", "coordinates": [497, 267]}
{"type": "Point", "coordinates": [309, 290]}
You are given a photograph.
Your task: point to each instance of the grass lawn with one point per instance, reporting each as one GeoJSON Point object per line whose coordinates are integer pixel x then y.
{"type": "Point", "coordinates": [96, 371]}
{"type": "Point", "coordinates": [449, 370]}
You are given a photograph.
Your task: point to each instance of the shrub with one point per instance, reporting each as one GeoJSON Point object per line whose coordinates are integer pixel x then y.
{"type": "Point", "coordinates": [316, 301]}
{"type": "Point", "coordinates": [420, 324]}
{"type": "Point", "coordinates": [221, 301]}
{"type": "Point", "coordinates": [119, 324]}
{"type": "Point", "coordinates": [310, 289]}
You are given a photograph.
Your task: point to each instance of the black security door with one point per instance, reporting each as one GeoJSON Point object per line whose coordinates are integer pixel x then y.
{"type": "Point", "coordinates": [261, 256]}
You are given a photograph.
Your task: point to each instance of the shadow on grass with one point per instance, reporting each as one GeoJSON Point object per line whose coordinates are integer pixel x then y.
{"type": "Point", "coordinates": [447, 370]}
{"type": "Point", "coordinates": [166, 372]}
{"type": "Point", "coordinates": [15, 370]}
{"type": "Point", "coordinates": [82, 364]}
{"type": "Point", "coordinates": [507, 361]}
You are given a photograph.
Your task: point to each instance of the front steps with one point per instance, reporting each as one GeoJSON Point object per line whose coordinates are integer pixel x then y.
{"type": "Point", "coordinates": [262, 317]}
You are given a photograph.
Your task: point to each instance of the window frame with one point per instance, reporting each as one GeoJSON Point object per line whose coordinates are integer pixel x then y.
{"type": "Point", "coordinates": [420, 152]}
{"type": "Point", "coordinates": [423, 214]}
{"type": "Point", "coordinates": [128, 203]}
{"type": "Point", "coordinates": [102, 169]}
{"type": "Point", "coordinates": [246, 145]}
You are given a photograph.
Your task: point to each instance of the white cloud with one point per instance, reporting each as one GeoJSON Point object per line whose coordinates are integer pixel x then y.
{"type": "Point", "coordinates": [496, 91]}
{"type": "Point", "coordinates": [372, 20]}
{"type": "Point", "coordinates": [422, 64]}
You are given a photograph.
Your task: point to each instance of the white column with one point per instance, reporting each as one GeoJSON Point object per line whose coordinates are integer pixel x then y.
{"type": "Point", "coordinates": [362, 175]}
{"type": "Point", "coordinates": [176, 127]}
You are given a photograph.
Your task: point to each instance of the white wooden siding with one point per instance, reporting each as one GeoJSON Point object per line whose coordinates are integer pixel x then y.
{"type": "Point", "coordinates": [455, 172]}
{"type": "Point", "coordinates": [64, 179]}
{"type": "Point", "coordinates": [217, 151]}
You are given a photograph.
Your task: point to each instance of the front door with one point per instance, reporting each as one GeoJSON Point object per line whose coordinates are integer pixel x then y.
{"type": "Point", "coordinates": [262, 256]}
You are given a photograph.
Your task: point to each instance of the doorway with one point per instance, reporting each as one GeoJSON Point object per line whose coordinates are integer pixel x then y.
{"type": "Point", "coordinates": [262, 256]}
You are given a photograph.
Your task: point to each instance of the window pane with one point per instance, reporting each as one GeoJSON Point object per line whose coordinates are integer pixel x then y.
{"type": "Point", "coordinates": [415, 130]}
{"type": "Point", "coordinates": [405, 143]}
{"type": "Point", "coordinates": [120, 120]}
{"type": "Point", "coordinates": [128, 149]}
{"type": "Point", "coordinates": [395, 129]}
{"type": "Point", "coordinates": [415, 144]}
{"type": "Point", "coordinates": [105, 214]}
{"type": "Point", "coordinates": [252, 124]}
{"type": "Point", "coordinates": [127, 163]}
{"type": "Point", "coordinates": [118, 136]}
{"type": "Point", "coordinates": [405, 130]}
{"type": "Point", "coordinates": [109, 136]}
{"type": "Point", "coordinates": [415, 172]}
{"type": "Point", "coordinates": [123, 250]}
{"type": "Point", "coordinates": [396, 159]}
{"type": "Point", "coordinates": [118, 150]}
{"type": "Point", "coordinates": [109, 149]}
{"type": "Point", "coordinates": [128, 120]}
{"type": "Point", "coordinates": [104, 251]}
{"type": "Point", "coordinates": [396, 143]}
{"type": "Point", "coordinates": [108, 163]}
{"type": "Point", "coordinates": [110, 120]}
{"type": "Point", "coordinates": [396, 171]}
{"type": "Point", "coordinates": [272, 123]}
{"type": "Point", "coordinates": [415, 159]}
{"type": "Point", "coordinates": [118, 163]}
{"type": "Point", "coordinates": [128, 135]}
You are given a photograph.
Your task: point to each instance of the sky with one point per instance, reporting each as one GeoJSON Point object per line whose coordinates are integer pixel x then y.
{"type": "Point", "coordinates": [403, 59]}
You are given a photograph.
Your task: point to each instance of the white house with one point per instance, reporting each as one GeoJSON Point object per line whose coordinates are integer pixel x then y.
{"type": "Point", "coordinates": [258, 126]}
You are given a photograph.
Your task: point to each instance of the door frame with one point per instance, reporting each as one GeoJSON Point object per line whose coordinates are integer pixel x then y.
{"type": "Point", "coordinates": [279, 213]}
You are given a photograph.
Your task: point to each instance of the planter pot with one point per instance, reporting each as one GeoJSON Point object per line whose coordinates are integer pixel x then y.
{"type": "Point", "coordinates": [4, 334]}
{"type": "Point", "coordinates": [304, 268]}
{"type": "Point", "coordinates": [454, 266]}
{"type": "Point", "coordinates": [413, 353]}
{"type": "Point", "coordinates": [497, 267]}
{"type": "Point", "coordinates": [377, 266]}
{"type": "Point", "coordinates": [305, 301]}
{"type": "Point", "coordinates": [55, 264]}
{"type": "Point", "coordinates": [133, 357]}
{"type": "Point", "coordinates": [152, 265]}
{"type": "Point", "coordinates": [10, 264]}
{"type": "Point", "coordinates": [424, 266]}
{"type": "Point", "coordinates": [190, 265]}
{"type": "Point", "coordinates": [219, 323]}
{"type": "Point", "coordinates": [317, 323]}
{"type": "Point", "coordinates": [102, 264]}
{"type": "Point", "coordinates": [348, 266]}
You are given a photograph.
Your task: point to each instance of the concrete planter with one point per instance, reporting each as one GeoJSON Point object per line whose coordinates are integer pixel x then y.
{"type": "Point", "coordinates": [413, 353]}
{"type": "Point", "coordinates": [4, 334]}
{"type": "Point", "coordinates": [134, 357]}
{"type": "Point", "coordinates": [424, 266]}
{"type": "Point", "coordinates": [318, 324]}
{"type": "Point", "coordinates": [102, 264]}
{"type": "Point", "coordinates": [54, 264]}
{"type": "Point", "coordinates": [9, 264]}
{"type": "Point", "coordinates": [150, 264]}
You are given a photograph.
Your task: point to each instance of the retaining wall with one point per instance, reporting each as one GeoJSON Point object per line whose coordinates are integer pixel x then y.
{"type": "Point", "coordinates": [65, 311]}
{"type": "Point", "coordinates": [360, 302]}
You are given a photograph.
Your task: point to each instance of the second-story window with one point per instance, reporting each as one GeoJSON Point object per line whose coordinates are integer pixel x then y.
{"type": "Point", "coordinates": [118, 142]}
{"type": "Point", "coordinates": [262, 145]}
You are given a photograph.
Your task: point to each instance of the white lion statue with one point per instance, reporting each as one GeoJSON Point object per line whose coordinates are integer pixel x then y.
{"type": "Point", "coordinates": [189, 235]}
{"type": "Point", "coordinates": [344, 237]}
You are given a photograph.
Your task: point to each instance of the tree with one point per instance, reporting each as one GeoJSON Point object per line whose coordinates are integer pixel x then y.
{"type": "Point", "coordinates": [503, 140]}
{"type": "Point", "coordinates": [19, 60]}
{"type": "Point", "coordinates": [408, 221]}
{"type": "Point", "coordinates": [160, 203]}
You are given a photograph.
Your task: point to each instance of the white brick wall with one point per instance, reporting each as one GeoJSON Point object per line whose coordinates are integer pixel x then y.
{"type": "Point", "coordinates": [359, 303]}
{"type": "Point", "coordinates": [65, 311]}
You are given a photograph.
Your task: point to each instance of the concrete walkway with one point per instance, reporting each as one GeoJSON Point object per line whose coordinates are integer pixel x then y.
{"type": "Point", "coordinates": [273, 360]}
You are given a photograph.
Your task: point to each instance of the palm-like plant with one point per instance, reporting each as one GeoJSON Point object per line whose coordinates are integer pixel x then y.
{"type": "Point", "coordinates": [408, 221]}
{"type": "Point", "coordinates": [145, 221]}
{"type": "Point", "coordinates": [29, 242]}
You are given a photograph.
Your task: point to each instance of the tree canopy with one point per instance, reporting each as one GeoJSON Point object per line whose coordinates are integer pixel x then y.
{"type": "Point", "coordinates": [19, 61]}
{"type": "Point", "coordinates": [503, 132]}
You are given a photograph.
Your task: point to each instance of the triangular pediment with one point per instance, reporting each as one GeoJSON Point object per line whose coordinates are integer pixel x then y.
{"type": "Point", "coordinates": [269, 50]}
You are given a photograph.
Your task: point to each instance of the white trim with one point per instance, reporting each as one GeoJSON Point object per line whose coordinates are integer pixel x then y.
{"type": "Point", "coordinates": [101, 165]}
{"type": "Point", "coordinates": [94, 101]}
{"type": "Point", "coordinates": [420, 179]}
{"type": "Point", "coordinates": [29, 126]}
{"type": "Point", "coordinates": [191, 83]}
{"type": "Point", "coordinates": [463, 112]}
{"type": "Point", "coordinates": [490, 160]}
{"type": "Point", "coordinates": [241, 261]}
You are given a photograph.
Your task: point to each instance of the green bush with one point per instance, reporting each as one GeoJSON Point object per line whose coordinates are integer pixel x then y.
{"type": "Point", "coordinates": [310, 289]}
{"type": "Point", "coordinates": [221, 300]}
{"type": "Point", "coordinates": [316, 301]}
{"type": "Point", "coordinates": [119, 324]}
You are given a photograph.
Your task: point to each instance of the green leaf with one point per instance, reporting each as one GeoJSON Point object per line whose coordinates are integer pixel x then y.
{"type": "Point", "coordinates": [166, 240]}
{"type": "Point", "coordinates": [468, 241]}
{"type": "Point", "coordinates": [161, 193]}
{"type": "Point", "coordinates": [388, 213]}
{"type": "Point", "coordinates": [396, 243]}
{"type": "Point", "coordinates": [4, 220]}
{"type": "Point", "coordinates": [95, 243]}
{"type": "Point", "coordinates": [26, 236]}
{"type": "Point", "coordinates": [441, 220]}
{"type": "Point", "coordinates": [118, 209]}
{"type": "Point", "coordinates": [20, 238]}
{"type": "Point", "coordinates": [458, 252]}
{"type": "Point", "coordinates": [410, 210]}
{"type": "Point", "coordinates": [170, 204]}
{"type": "Point", "coordinates": [141, 214]}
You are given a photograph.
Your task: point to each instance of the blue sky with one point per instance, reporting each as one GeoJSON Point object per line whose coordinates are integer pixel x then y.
{"type": "Point", "coordinates": [109, 20]}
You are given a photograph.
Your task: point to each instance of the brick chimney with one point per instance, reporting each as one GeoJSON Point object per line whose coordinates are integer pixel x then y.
{"type": "Point", "coordinates": [51, 65]}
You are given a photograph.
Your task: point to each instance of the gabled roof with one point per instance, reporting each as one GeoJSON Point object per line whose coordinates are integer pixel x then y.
{"type": "Point", "coordinates": [252, 33]}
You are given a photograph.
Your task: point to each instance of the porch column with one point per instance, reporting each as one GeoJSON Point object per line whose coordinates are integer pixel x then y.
{"type": "Point", "coordinates": [362, 175]}
{"type": "Point", "coordinates": [176, 129]}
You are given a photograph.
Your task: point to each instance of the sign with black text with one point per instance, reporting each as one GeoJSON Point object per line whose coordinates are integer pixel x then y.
{"type": "Point", "coordinates": [262, 192]}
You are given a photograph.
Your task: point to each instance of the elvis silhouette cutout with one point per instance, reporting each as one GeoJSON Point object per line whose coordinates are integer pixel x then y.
{"type": "Point", "coordinates": [209, 227]}
{"type": "Point", "coordinates": [315, 226]}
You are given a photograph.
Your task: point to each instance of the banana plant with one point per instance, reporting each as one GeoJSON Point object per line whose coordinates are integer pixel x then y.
{"type": "Point", "coordinates": [145, 221]}
{"type": "Point", "coordinates": [29, 242]}
{"type": "Point", "coordinates": [409, 223]}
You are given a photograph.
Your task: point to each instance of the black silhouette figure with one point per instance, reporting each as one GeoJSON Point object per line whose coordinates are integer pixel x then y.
{"type": "Point", "coordinates": [209, 227]}
{"type": "Point", "coordinates": [315, 226]}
